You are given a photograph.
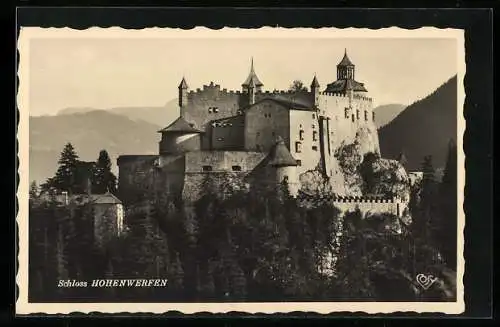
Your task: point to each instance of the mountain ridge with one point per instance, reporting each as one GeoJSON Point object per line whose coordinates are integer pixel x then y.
{"type": "Point", "coordinates": [89, 133]}
{"type": "Point", "coordinates": [423, 128]}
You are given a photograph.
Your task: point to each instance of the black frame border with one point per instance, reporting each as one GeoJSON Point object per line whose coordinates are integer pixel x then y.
{"type": "Point", "coordinates": [478, 109]}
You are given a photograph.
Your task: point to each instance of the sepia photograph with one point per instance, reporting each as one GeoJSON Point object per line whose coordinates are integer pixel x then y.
{"type": "Point", "coordinates": [254, 170]}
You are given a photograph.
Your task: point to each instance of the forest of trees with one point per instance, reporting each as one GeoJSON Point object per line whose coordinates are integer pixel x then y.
{"type": "Point", "coordinates": [78, 177]}
{"type": "Point", "coordinates": [251, 246]}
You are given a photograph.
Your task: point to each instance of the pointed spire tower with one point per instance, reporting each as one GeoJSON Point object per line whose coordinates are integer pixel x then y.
{"type": "Point", "coordinates": [252, 76]}
{"type": "Point", "coordinates": [315, 90]}
{"type": "Point", "coordinates": [183, 90]}
{"type": "Point", "coordinates": [345, 68]}
{"type": "Point", "coordinates": [345, 82]}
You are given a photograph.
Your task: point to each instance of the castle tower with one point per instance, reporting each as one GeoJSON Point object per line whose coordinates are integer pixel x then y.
{"type": "Point", "coordinates": [183, 91]}
{"type": "Point", "coordinates": [315, 90]}
{"type": "Point", "coordinates": [345, 82]}
{"type": "Point", "coordinates": [252, 76]}
{"type": "Point", "coordinates": [251, 91]}
{"type": "Point", "coordinates": [284, 163]}
{"type": "Point", "coordinates": [179, 137]}
{"type": "Point", "coordinates": [345, 68]}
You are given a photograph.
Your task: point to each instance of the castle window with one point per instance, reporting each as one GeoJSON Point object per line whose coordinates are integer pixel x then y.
{"type": "Point", "coordinates": [236, 168]}
{"type": "Point", "coordinates": [298, 147]}
{"type": "Point", "coordinates": [314, 116]}
{"type": "Point", "coordinates": [216, 109]}
{"type": "Point", "coordinates": [301, 135]}
{"type": "Point", "coordinates": [315, 136]}
{"type": "Point", "coordinates": [373, 116]}
{"type": "Point", "coordinates": [300, 125]}
{"type": "Point", "coordinates": [366, 115]}
{"type": "Point", "coordinates": [357, 114]}
{"type": "Point", "coordinates": [315, 148]}
{"type": "Point", "coordinates": [346, 112]}
{"type": "Point", "coordinates": [273, 133]}
{"type": "Point", "coordinates": [299, 162]}
{"type": "Point", "coordinates": [353, 119]}
{"type": "Point", "coordinates": [313, 126]}
{"type": "Point", "coordinates": [207, 168]}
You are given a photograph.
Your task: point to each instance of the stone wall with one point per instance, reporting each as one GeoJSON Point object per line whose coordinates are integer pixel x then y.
{"type": "Point", "coordinates": [222, 161]}
{"type": "Point", "coordinates": [136, 175]}
{"type": "Point", "coordinates": [108, 222]}
{"type": "Point", "coordinates": [228, 133]}
{"type": "Point", "coordinates": [304, 142]}
{"type": "Point", "coordinates": [263, 123]}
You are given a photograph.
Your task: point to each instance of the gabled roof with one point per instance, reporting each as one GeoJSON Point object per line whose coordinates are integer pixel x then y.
{"type": "Point", "coordinates": [180, 125]}
{"type": "Point", "coordinates": [345, 61]}
{"type": "Point", "coordinates": [280, 156]}
{"type": "Point", "coordinates": [106, 198]}
{"type": "Point", "coordinates": [252, 76]}
{"type": "Point", "coordinates": [343, 85]}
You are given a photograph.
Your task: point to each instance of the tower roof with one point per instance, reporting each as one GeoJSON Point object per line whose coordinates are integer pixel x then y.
{"type": "Point", "coordinates": [315, 82]}
{"type": "Point", "coordinates": [180, 125]}
{"type": "Point", "coordinates": [252, 76]}
{"type": "Point", "coordinates": [183, 84]}
{"type": "Point", "coordinates": [280, 156]}
{"type": "Point", "coordinates": [345, 61]}
{"type": "Point", "coordinates": [343, 85]}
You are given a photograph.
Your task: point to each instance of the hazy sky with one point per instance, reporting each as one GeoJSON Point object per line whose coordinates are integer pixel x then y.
{"type": "Point", "coordinates": [104, 73]}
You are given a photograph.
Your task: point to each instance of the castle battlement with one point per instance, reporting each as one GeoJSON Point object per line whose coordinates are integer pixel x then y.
{"type": "Point", "coordinates": [351, 199]}
{"type": "Point", "coordinates": [364, 199]}
{"type": "Point", "coordinates": [330, 94]}
{"type": "Point", "coordinates": [344, 95]}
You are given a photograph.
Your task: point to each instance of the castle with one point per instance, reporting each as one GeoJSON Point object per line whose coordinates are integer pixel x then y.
{"type": "Point", "coordinates": [256, 135]}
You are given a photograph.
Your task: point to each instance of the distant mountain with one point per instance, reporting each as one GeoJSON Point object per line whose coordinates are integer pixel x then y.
{"type": "Point", "coordinates": [384, 114]}
{"type": "Point", "coordinates": [89, 132]}
{"type": "Point", "coordinates": [423, 128]}
{"type": "Point", "coordinates": [154, 115]}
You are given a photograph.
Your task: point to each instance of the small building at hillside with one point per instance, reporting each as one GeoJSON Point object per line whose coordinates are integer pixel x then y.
{"type": "Point", "coordinates": [107, 212]}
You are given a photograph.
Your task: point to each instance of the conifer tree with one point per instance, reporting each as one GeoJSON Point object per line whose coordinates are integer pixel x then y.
{"type": "Point", "coordinates": [65, 177]}
{"type": "Point", "coordinates": [103, 178]}
{"type": "Point", "coordinates": [33, 193]}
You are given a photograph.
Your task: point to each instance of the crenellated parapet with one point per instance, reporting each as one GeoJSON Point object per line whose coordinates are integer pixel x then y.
{"type": "Point", "coordinates": [342, 96]}
{"type": "Point", "coordinates": [352, 199]}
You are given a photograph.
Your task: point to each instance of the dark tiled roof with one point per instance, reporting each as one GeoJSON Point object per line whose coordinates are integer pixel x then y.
{"type": "Point", "coordinates": [290, 104]}
{"type": "Point", "coordinates": [343, 85]}
{"type": "Point", "coordinates": [345, 61]}
{"type": "Point", "coordinates": [180, 125]}
{"type": "Point", "coordinates": [280, 155]}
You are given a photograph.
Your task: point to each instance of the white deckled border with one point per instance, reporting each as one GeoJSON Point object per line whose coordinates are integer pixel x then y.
{"type": "Point", "coordinates": [28, 33]}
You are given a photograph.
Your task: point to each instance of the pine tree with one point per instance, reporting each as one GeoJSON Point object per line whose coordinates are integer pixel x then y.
{"type": "Point", "coordinates": [33, 193]}
{"type": "Point", "coordinates": [65, 177]}
{"type": "Point", "coordinates": [103, 179]}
